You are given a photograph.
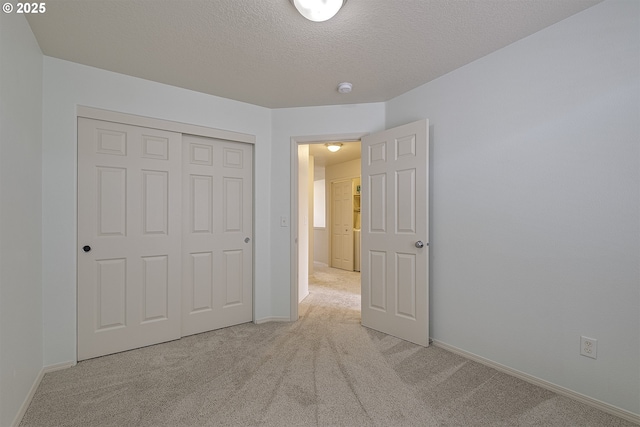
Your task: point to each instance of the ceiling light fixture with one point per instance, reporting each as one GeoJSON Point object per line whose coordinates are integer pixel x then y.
{"type": "Point", "coordinates": [318, 10]}
{"type": "Point", "coordinates": [333, 146]}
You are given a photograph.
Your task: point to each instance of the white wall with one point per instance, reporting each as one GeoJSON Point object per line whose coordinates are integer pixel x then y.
{"type": "Point", "coordinates": [535, 220]}
{"type": "Point", "coordinates": [20, 214]}
{"type": "Point", "coordinates": [308, 121]}
{"type": "Point", "coordinates": [320, 234]}
{"type": "Point", "coordinates": [67, 85]}
{"type": "Point", "coordinates": [341, 171]}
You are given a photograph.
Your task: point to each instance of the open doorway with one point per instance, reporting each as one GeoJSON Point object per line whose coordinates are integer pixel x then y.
{"type": "Point", "coordinates": [316, 227]}
{"type": "Point", "coordinates": [395, 222]}
{"type": "Point", "coordinates": [335, 204]}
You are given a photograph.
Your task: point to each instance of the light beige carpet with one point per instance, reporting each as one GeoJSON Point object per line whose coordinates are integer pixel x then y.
{"type": "Point", "coordinates": [324, 370]}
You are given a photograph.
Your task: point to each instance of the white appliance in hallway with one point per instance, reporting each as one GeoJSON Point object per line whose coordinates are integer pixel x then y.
{"type": "Point", "coordinates": [356, 249]}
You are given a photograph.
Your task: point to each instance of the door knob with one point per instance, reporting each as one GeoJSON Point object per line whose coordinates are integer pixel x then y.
{"type": "Point", "coordinates": [86, 248]}
{"type": "Point", "coordinates": [247, 240]}
{"type": "Point", "coordinates": [419, 244]}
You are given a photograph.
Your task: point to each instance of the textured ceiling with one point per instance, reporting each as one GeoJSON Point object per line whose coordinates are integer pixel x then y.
{"type": "Point", "coordinates": [263, 52]}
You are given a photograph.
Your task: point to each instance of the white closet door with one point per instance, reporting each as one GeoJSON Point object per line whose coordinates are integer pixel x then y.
{"type": "Point", "coordinates": [342, 225]}
{"type": "Point", "coordinates": [129, 237]}
{"type": "Point", "coordinates": [217, 234]}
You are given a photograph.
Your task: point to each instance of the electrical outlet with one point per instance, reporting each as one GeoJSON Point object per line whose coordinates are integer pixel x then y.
{"type": "Point", "coordinates": [589, 347]}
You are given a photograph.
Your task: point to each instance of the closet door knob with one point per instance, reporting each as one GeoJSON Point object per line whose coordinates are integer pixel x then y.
{"type": "Point", "coordinates": [419, 244]}
{"type": "Point", "coordinates": [86, 248]}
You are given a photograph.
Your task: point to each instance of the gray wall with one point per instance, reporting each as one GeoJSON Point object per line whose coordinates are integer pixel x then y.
{"type": "Point", "coordinates": [535, 218]}
{"type": "Point", "coordinates": [20, 213]}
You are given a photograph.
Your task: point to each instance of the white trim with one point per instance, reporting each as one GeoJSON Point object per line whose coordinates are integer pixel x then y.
{"type": "Point", "coordinates": [293, 234]}
{"type": "Point", "coordinates": [58, 367]}
{"type": "Point", "coordinates": [34, 387]}
{"type": "Point", "coordinates": [168, 125]}
{"type": "Point", "coordinates": [27, 400]}
{"type": "Point", "coordinates": [293, 223]}
{"type": "Point", "coordinates": [271, 319]}
{"type": "Point", "coordinates": [595, 403]}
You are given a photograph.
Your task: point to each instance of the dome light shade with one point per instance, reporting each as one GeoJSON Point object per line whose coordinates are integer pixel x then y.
{"type": "Point", "coordinates": [334, 146]}
{"type": "Point", "coordinates": [318, 10]}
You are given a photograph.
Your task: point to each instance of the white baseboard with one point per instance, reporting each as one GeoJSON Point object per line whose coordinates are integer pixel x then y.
{"type": "Point", "coordinates": [34, 387]}
{"type": "Point", "coordinates": [58, 367]}
{"type": "Point", "coordinates": [302, 297]}
{"type": "Point", "coordinates": [603, 406]}
{"type": "Point", "coordinates": [272, 319]}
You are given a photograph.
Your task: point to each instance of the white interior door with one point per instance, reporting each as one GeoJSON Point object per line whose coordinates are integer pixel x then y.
{"type": "Point", "coordinates": [129, 228]}
{"type": "Point", "coordinates": [342, 225]}
{"type": "Point", "coordinates": [395, 232]}
{"type": "Point", "coordinates": [217, 234]}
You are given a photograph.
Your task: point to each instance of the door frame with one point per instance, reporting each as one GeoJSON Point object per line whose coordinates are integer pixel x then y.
{"type": "Point", "coordinates": [293, 214]}
{"type": "Point", "coordinates": [172, 126]}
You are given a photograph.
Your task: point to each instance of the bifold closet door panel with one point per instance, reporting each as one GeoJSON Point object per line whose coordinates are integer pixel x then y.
{"type": "Point", "coordinates": [217, 234]}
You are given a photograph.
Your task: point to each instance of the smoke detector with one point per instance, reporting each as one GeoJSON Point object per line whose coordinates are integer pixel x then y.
{"type": "Point", "coordinates": [345, 87]}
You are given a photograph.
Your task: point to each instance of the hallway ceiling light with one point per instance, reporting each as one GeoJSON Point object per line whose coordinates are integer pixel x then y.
{"type": "Point", "coordinates": [333, 146]}
{"type": "Point", "coordinates": [318, 10]}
